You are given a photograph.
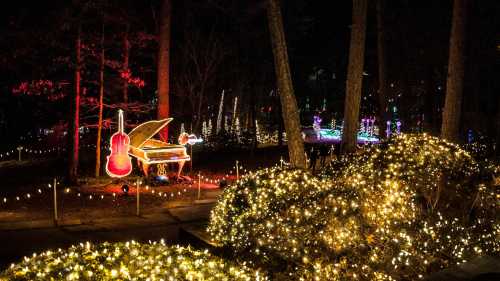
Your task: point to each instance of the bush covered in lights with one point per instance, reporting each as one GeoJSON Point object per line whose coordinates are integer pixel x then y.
{"type": "Point", "coordinates": [401, 210]}
{"type": "Point", "coordinates": [269, 213]}
{"type": "Point", "coordinates": [127, 261]}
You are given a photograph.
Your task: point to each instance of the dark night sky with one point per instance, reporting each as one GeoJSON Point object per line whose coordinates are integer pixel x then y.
{"type": "Point", "coordinates": [318, 39]}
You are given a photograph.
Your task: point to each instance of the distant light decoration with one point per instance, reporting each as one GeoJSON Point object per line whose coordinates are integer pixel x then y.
{"type": "Point", "coordinates": [237, 129]}
{"type": "Point", "coordinates": [388, 129]}
{"type": "Point", "coordinates": [333, 124]}
{"type": "Point", "coordinates": [206, 131]}
{"type": "Point", "coordinates": [233, 119]}
{"type": "Point", "coordinates": [317, 125]}
{"type": "Point", "coordinates": [219, 115]}
{"type": "Point", "coordinates": [226, 123]}
{"type": "Point", "coordinates": [335, 136]}
{"type": "Point", "coordinates": [470, 136]}
{"type": "Point", "coordinates": [209, 129]}
{"type": "Point", "coordinates": [367, 126]}
{"type": "Point", "coordinates": [128, 261]}
{"type": "Point", "coordinates": [118, 163]}
{"type": "Point", "coordinates": [258, 134]}
{"type": "Point", "coordinates": [367, 133]}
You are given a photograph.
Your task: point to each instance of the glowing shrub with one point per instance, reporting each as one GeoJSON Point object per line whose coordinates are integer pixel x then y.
{"type": "Point", "coordinates": [271, 212]}
{"type": "Point", "coordinates": [127, 261]}
{"type": "Point", "coordinates": [411, 206]}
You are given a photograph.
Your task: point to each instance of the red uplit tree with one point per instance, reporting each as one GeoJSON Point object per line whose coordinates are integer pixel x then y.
{"type": "Point", "coordinates": [163, 110]}
{"type": "Point", "coordinates": [48, 89]}
{"type": "Point", "coordinates": [101, 107]}
{"type": "Point", "coordinates": [74, 127]}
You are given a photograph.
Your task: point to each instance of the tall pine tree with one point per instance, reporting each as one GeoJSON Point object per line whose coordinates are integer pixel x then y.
{"type": "Point", "coordinates": [163, 110]}
{"type": "Point", "coordinates": [354, 76]}
{"type": "Point", "coordinates": [289, 107]}
{"type": "Point", "coordinates": [454, 83]}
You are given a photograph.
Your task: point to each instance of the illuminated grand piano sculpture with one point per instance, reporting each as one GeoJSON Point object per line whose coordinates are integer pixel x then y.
{"type": "Point", "coordinates": [149, 151]}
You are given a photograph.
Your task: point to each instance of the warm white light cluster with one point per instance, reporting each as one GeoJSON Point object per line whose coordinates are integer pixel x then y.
{"type": "Point", "coordinates": [90, 196]}
{"type": "Point", "coordinates": [401, 210]}
{"type": "Point", "coordinates": [265, 137]}
{"type": "Point", "coordinates": [15, 153]}
{"type": "Point", "coordinates": [128, 261]}
{"type": "Point", "coordinates": [269, 212]}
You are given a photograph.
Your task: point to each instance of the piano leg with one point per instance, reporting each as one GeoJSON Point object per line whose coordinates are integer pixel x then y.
{"type": "Point", "coordinates": [143, 166]}
{"type": "Point", "coordinates": [179, 171]}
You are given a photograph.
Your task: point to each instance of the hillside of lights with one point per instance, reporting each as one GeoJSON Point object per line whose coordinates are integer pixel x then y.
{"type": "Point", "coordinates": [128, 261]}
{"type": "Point", "coordinates": [402, 210]}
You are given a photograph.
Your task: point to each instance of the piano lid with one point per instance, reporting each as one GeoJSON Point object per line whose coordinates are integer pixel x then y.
{"type": "Point", "coordinates": [140, 134]}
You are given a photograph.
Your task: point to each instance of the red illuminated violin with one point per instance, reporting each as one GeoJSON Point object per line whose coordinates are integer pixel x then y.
{"type": "Point", "coordinates": [118, 164]}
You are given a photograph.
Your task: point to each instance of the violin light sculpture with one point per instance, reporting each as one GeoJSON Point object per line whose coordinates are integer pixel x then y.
{"type": "Point", "coordinates": [118, 164]}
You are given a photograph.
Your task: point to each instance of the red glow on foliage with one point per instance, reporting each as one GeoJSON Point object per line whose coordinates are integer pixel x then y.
{"type": "Point", "coordinates": [127, 75]}
{"type": "Point", "coordinates": [51, 90]}
{"type": "Point", "coordinates": [90, 101]}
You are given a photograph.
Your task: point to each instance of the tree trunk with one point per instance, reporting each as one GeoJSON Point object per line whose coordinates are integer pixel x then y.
{"type": "Point", "coordinates": [280, 127]}
{"type": "Point", "coordinates": [354, 76]}
{"type": "Point", "coordinates": [126, 54]}
{"type": "Point", "coordinates": [285, 87]}
{"type": "Point", "coordinates": [382, 82]}
{"type": "Point", "coordinates": [75, 106]}
{"type": "Point", "coordinates": [163, 110]}
{"type": "Point", "coordinates": [497, 133]}
{"type": "Point", "coordinates": [101, 97]}
{"type": "Point", "coordinates": [454, 83]}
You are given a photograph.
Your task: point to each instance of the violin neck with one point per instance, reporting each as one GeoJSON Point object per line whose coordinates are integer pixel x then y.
{"type": "Point", "coordinates": [120, 121]}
